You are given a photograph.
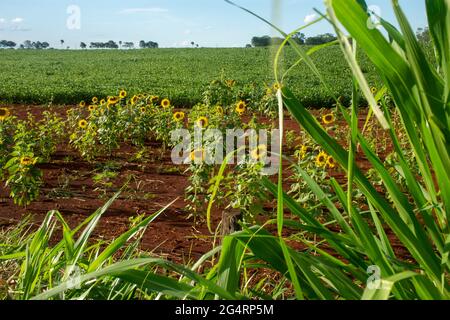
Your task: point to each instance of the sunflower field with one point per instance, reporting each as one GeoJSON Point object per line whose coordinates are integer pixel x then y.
{"type": "Point", "coordinates": [358, 207]}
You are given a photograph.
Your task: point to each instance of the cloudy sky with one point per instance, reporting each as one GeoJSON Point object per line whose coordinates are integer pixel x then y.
{"type": "Point", "coordinates": [171, 23]}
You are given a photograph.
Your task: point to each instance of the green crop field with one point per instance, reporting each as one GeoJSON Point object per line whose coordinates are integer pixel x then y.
{"type": "Point", "coordinates": [67, 76]}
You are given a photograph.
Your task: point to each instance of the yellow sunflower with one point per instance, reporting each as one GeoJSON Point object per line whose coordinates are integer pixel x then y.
{"type": "Point", "coordinates": [102, 102]}
{"type": "Point", "coordinates": [92, 108]}
{"type": "Point", "coordinates": [202, 122]}
{"type": "Point", "coordinates": [219, 110]}
{"type": "Point", "coordinates": [134, 99]}
{"type": "Point", "coordinates": [328, 118]}
{"type": "Point", "coordinates": [112, 100]}
{"type": "Point", "coordinates": [373, 90]}
{"type": "Point", "coordinates": [143, 109]}
{"type": "Point", "coordinates": [154, 99]}
{"type": "Point", "coordinates": [304, 150]}
{"type": "Point", "coordinates": [259, 153]}
{"type": "Point", "coordinates": [82, 104]}
{"type": "Point", "coordinates": [331, 163]}
{"type": "Point", "coordinates": [4, 113]}
{"type": "Point", "coordinates": [276, 86]}
{"type": "Point", "coordinates": [165, 103]}
{"type": "Point", "coordinates": [240, 107]}
{"type": "Point", "coordinates": [27, 161]}
{"type": "Point", "coordinates": [198, 155]}
{"type": "Point", "coordinates": [82, 124]}
{"type": "Point", "coordinates": [122, 94]}
{"type": "Point", "coordinates": [321, 159]}
{"type": "Point", "coordinates": [94, 100]}
{"type": "Point", "coordinates": [178, 116]}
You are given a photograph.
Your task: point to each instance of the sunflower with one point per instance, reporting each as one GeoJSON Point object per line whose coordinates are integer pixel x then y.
{"type": "Point", "coordinates": [165, 103]}
{"type": "Point", "coordinates": [259, 153]}
{"type": "Point", "coordinates": [154, 99]}
{"type": "Point", "coordinates": [304, 151]}
{"type": "Point", "coordinates": [94, 100]}
{"type": "Point", "coordinates": [328, 118]}
{"type": "Point", "coordinates": [4, 113]}
{"type": "Point", "coordinates": [122, 94]}
{"type": "Point", "coordinates": [143, 109]}
{"type": "Point", "coordinates": [321, 159]}
{"type": "Point", "coordinates": [276, 86]}
{"type": "Point", "coordinates": [202, 122]}
{"type": "Point", "coordinates": [92, 108]}
{"type": "Point", "coordinates": [112, 100]}
{"type": "Point", "coordinates": [197, 155]}
{"type": "Point", "coordinates": [134, 99]}
{"type": "Point", "coordinates": [82, 124]}
{"type": "Point", "coordinates": [219, 110]}
{"type": "Point", "coordinates": [178, 116]}
{"type": "Point", "coordinates": [240, 107]}
{"type": "Point", "coordinates": [27, 161]}
{"type": "Point", "coordinates": [102, 102]}
{"type": "Point", "coordinates": [331, 163]}
{"type": "Point", "coordinates": [373, 90]}
{"type": "Point", "coordinates": [82, 104]}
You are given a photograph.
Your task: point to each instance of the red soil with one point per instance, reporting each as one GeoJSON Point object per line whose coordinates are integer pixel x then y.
{"type": "Point", "coordinates": [171, 235]}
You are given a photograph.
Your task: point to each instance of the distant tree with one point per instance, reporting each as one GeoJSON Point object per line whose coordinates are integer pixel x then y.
{"type": "Point", "coordinates": [266, 41]}
{"type": "Point", "coordinates": [120, 43]}
{"type": "Point", "coordinates": [83, 45]}
{"type": "Point", "coordinates": [320, 39]}
{"type": "Point", "coordinates": [192, 43]}
{"type": "Point", "coordinates": [62, 42]}
{"type": "Point", "coordinates": [248, 45]}
{"type": "Point", "coordinates": [104, 45]}
{"type": "Point", "coordinates": [40, 45]}
{"type": "Point", "coordinates": [263, 41]}
{"type": "Point", "coordinates": [299, 37]}
{"type": "Point", "coordinates": [7, 44]}
{"type": "Point", "coordinates": [27, 44]}
{"type": "Point", "coordinates": [128, 45]}
{"type": "Point", "coordinates": [149, 44]}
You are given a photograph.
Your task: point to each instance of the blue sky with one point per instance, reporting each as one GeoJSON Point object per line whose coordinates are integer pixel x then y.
{"type": "Point", "coordinates": [171, 23]}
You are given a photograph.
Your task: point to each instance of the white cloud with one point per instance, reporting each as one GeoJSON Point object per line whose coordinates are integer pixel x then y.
{"type": "Point", "coordinates": [2, 20]}
{"type": "Point", "coordinates": [187, 31]}
{"type": "Point", "coordinates": [17, 20]}
{"type": "Point", "coordinates": [144, 10]}
{"type": "Point", "coordinates": [310, 18]}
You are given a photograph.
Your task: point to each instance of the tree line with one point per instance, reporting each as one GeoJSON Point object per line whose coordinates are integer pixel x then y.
{"type": "Point", "coordinates": [300, 38]}
{"type": "Point", "coordinates": [27, 44]}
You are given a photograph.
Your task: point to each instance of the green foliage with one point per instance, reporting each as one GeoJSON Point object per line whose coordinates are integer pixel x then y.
{"type": "Point", "coordinates": [179, 74]}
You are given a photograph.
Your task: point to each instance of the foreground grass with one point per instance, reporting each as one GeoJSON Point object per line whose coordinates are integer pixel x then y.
{"type": "Point", "coordinates": [66, 77]}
